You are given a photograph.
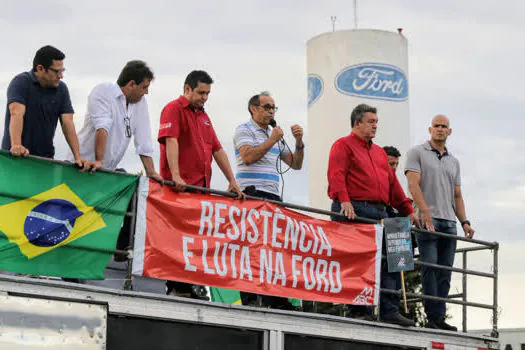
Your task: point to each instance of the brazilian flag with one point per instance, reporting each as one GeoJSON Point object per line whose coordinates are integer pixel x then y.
{"type": "Point", "coordinates": [226, 296]}
{"type": "Point", "coordinates": [231, 296]}
{"type": "Point", "coordinates": [55, 221]}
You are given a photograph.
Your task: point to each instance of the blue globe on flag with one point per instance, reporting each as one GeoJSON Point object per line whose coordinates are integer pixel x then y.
{"type": "Point", "coordinates": [50, 222]}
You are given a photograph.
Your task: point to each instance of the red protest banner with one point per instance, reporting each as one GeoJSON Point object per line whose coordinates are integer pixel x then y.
{"type": "Point", "coordinates": [254, 246]}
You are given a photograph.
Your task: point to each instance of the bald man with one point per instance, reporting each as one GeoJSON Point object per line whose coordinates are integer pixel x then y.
{"type": "Point", "coordinates": [434, 182]}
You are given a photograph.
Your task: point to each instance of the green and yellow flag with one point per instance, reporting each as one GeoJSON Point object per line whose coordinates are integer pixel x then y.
{"type": "Point", "coordinates": [226, 296]}
{"type": "Point", "coordinates": [230, 296]}
{"type": "Point", "coordinates": [55, 221]}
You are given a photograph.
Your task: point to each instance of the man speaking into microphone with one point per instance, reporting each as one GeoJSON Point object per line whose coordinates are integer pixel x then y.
{"type": "Point", "coordinates": [259, 147]}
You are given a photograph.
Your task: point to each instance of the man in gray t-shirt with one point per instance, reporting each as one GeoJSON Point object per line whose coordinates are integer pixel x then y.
{"type": "Point", "coordinates": [434, 182]}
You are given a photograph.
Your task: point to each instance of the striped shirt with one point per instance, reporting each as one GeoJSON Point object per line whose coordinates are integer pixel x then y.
{"type": "Point", "coordinates": [263, 173]}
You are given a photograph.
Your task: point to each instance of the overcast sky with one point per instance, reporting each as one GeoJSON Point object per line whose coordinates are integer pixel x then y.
{"type": "Point", "coordinates": [464, 61]}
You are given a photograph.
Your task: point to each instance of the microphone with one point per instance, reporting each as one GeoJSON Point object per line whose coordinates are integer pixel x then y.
{"type": "Point", "coordinates": [273, 124]}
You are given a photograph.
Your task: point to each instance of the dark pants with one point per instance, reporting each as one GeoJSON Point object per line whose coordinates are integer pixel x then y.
{"type": "Point", "coordinates": [437, 250]}
{"type": "Point", "coordinates": [123, 240]}
{"type": "Point", "coordinates": [180, 287]}
{"type": "Point", "coordinates": [388, 303]}
{"type": "Point", "coordinates": [251, 298]}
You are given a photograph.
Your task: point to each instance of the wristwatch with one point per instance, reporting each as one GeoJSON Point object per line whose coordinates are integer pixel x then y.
{"type": "Point", "coordinates": [297, 147]}
{"type": "Point", "coordinates": [465, 222]}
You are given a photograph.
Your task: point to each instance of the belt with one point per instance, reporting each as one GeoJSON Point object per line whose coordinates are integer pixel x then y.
{"type": "Point", "coordinates": [377, 204]}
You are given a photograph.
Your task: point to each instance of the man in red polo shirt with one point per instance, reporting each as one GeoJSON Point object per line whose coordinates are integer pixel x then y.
{"type": "Point", "coordinates": [187, 145]}
{"type": "Point", "coordinates": [361, 183]}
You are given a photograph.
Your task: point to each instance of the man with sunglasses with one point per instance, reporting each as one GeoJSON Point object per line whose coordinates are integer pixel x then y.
{"type": "Point", "coordinates": [36, 101]}
{"type": "Point", "coordinates": [435, 184]}
{"type": "Point", "coordinates": [258, 150]}
{"type": "Point", "coordinates": [116, 112]}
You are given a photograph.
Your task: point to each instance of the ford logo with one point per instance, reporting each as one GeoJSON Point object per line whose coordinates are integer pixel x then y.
{"type": "Point", "coordinates": [315, 88]}
{"type": "Point", "coordinates": [373, 80]}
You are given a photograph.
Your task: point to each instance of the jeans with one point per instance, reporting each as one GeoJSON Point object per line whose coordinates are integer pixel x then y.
{"type": "Point", "coordinates": [388, 303]}
{"type": "Point", "coordinates": [441, 251]}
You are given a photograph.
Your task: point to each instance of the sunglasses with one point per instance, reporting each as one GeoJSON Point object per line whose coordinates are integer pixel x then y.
{"type": "Point", "coordinates": [269, 107]}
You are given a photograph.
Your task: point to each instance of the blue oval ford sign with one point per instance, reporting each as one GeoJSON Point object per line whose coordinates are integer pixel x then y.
{"type": "Point", "coordinates": [373, 80]}
{"type": "Point", "coordinates": [315, 88]}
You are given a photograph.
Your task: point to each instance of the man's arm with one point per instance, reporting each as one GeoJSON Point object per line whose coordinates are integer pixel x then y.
{"type": "Point", "coordinates": [16, 125]}
{"type": "Point", "coordinates": [172, 153]}
{"type": "Point", "coordinates": [147, 161]}
{"type": "Point", "coordinates": [221, 158]}
{"type": "Point", "coordinates": [414, 186]}
{"type": "Point", "coordinates": [101, 137]}
{"type": "Point", "coordinates": [142, 140]}
{"type": "Point", "coordinates": [338, 165]}
{"type": "Point", "coordinates": [461, 213]}
{"type": "Point", "coordinates": [250, 154]}
{"type": "Point", "coordinates": [68, 128]}
{"type": "Point", "coordinates": [295, 161]}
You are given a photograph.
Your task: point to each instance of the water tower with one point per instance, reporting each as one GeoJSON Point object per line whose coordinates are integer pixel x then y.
{"type": "Point", "coordinates": [346, 68]}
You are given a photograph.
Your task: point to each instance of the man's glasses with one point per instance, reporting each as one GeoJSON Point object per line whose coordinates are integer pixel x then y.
{"type": "Point", "coordinates": [57, 71]}
{"type": "Point", "coordinates": [269, 107]}
{"type": "Point", "coordinates": [128, 126]}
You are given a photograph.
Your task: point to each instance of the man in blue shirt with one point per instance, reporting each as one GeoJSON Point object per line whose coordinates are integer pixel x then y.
{"type": "Point", "coordinates": [36, 101]}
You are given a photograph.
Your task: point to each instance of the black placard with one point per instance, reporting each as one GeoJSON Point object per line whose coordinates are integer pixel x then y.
{"type": "Point", "coordinates": [398, 244]}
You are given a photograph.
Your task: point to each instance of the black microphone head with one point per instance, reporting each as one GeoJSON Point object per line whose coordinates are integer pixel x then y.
{"type": "Point", "coordinates": [273, 123]}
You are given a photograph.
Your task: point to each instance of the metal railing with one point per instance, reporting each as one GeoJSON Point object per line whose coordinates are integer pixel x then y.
{"type": "Point", "coordinates": [482, 245]}
{"type": "Point", "coordinates": [464, 271]}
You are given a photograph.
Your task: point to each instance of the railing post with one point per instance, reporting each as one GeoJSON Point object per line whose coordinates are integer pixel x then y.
{"type": "Point", "coordinates": [128, 285]}
{"type": "Point", "coordinates": [495, 293]}
{"type": "Point", "coordinates": [464, 294]}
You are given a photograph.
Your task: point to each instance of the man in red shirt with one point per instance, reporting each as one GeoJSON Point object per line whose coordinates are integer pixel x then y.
{"type": "Point", "coordinates": [361, 183]}
{"type": "Point", "coordinates": [187, 145]}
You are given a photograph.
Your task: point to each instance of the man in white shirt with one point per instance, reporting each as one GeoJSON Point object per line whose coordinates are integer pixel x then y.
{"type": "Point", "coordinates": [116, 112]}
